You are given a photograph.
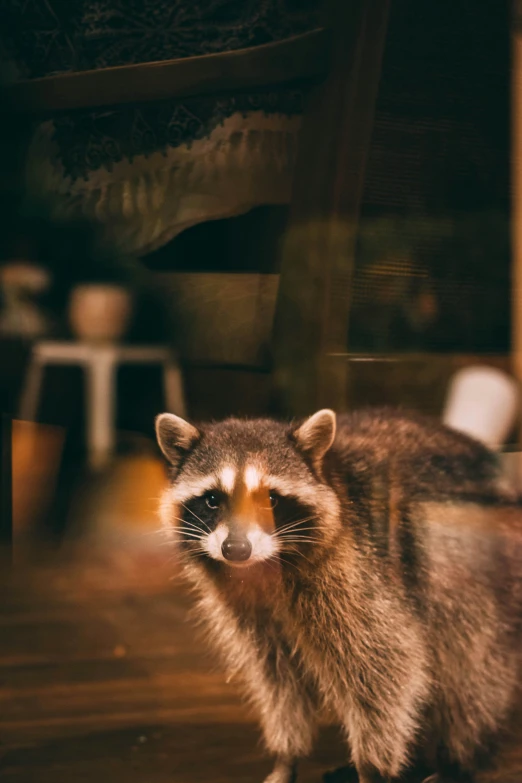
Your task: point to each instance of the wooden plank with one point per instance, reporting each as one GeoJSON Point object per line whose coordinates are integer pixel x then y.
{"type": "Point", "coordinates": [225, 752]}
{"type": "Point", "coordinates": [299, 57]}
{"type": "Point", "coordinates": [313, 303]}
{"type": "Point", "coordinates": [156, 718]}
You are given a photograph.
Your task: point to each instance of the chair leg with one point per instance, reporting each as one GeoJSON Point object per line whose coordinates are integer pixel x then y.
{"type": "Point", "coordinates": [31, 392]}
{"type": "Point", "coordinates": [101, 393]}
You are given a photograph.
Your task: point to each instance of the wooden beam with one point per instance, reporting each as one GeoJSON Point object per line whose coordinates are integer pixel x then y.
{"type": "Point", "coordinates": [300, 57]}
{"type": "Point", "coordinates": [516, 206]}
{"type": "Point", "coordinates": [311, 324]}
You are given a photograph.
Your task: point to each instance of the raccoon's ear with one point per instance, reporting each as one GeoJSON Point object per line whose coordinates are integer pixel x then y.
{"type": "Point", "coordinates": [175, 436]}
{"type": "Point", "coordinates": [317, 434]}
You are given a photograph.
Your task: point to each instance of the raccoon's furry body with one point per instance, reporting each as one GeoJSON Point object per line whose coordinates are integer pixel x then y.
{"type": "Point", "coordinates": [385, 584]}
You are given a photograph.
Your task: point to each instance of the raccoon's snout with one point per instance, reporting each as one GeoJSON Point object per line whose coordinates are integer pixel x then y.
{"type": "Point", "coordinates": [236, 549]}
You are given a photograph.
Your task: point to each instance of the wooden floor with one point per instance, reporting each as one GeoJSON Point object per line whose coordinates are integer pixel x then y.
{"type": "Point", "coordinates": [102, 679]}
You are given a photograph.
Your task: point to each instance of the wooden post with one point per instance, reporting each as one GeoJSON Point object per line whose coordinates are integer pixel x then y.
{"type": "Point", "coordinates": [516, 210]}
{"type": "Point", "coordinates": [311, 322]}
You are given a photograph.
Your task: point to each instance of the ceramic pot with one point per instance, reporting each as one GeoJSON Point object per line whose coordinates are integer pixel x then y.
{"type": "Point", "coordinates": [100, 312]}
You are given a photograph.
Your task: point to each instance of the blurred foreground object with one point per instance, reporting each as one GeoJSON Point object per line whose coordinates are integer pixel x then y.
{"type": "Point", "coordinates": [36, 454]}
{"type": "Point", "coordinates": [6, 482]}
{"type": "Point", "coordinates": [121, 507]}
{"type": "Point", "coordinates": [482, 402]}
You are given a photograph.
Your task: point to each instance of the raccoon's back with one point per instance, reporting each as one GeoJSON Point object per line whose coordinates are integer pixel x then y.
{"type": "Point", "coordinates": [436, 498]}
{"type": "Point", "coordinates": [418, 453]}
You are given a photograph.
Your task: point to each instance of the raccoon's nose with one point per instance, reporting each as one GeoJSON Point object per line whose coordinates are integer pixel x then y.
{"type": "Point", "coordinates": [236, 549]}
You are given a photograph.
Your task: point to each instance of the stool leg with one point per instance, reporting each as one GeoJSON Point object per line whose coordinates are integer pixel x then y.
{"type": "Point", "coordinates": [31, 391]}
{"type": "Point", "coordinates": [101, 393]}
{"type": "Point", "coordinates": [173, 388]}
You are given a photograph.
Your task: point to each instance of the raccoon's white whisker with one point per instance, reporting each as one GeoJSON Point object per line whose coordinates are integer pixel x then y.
{"type": "Point", "coordinates": [299, 539]}
{"type": "Point", "coordinates": [181, 521]}
{"type": "Point", "coordinates": [298, 552]}
{"type": "Point", "coordinates": [185, 531]}
{"type": "Point", "coordinates": [196, 516]}
{"type": "Point", "coordinates": [178, 536]}
{"type": "Point", "coordinates": [297, 530]}
{"type": "Point", "coordinates": [195, 532]}
{"type": "Point", "coordinates": [190, 525]}
{"type": "Point", "coordinates": [293, 525]}
{"type": "Point", "coordinates": [283, 531]}
{"type": "Point", "coordinates": [187, 536]}
{"type": "Point", "coordinates": [279, 558]}
{"type": "Point", "coordinates": [297, 521]}
{"type": "Point", "coordinates": [294, 550]}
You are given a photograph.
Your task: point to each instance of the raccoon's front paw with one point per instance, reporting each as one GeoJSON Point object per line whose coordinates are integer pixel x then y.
{"type": "Point", "coordinates": [342, 775]}
{"type": "Point", "coordinates": [283, 772]}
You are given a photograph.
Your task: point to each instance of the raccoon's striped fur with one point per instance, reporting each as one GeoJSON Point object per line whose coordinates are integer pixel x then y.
{"type": "Point", "coordinates": [367, 565]}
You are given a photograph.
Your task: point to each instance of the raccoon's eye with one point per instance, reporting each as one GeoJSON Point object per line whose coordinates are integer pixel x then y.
{"type": "Point", "coordinates": [212, 500]}
{"type": "Point", "coordinates": [274, 499]}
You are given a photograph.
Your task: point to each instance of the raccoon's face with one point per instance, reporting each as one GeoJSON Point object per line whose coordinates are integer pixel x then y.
{"type": "Point", "coordinates": [247, 492]}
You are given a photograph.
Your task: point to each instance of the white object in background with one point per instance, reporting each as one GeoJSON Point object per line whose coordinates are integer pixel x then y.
{"type": "Point", "coordinates": [99, 313]}
{"type": "Point", "coordinates": [482, 402]}
{"type": "Point", "coordinates": [100, 362]}
{"type": "Point", "coordinates": [20, 315]}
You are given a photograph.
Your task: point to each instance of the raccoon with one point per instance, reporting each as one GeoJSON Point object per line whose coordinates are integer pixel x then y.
{"type": "Point", "coordinates": [366, 566]}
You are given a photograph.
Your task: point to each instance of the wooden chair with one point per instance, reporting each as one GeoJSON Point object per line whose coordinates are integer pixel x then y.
{"type": "Point", "coordinates": [344, 60]}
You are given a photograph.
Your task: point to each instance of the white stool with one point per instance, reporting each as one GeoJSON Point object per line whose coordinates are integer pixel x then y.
{"type": "Point", "coordinates": [100, 361]}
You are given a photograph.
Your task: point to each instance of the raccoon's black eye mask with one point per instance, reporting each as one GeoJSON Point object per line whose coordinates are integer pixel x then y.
{"type": "Point", "coordinates": [290, 510]}
{"type": "Point", "coordinates": [204, 512]}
